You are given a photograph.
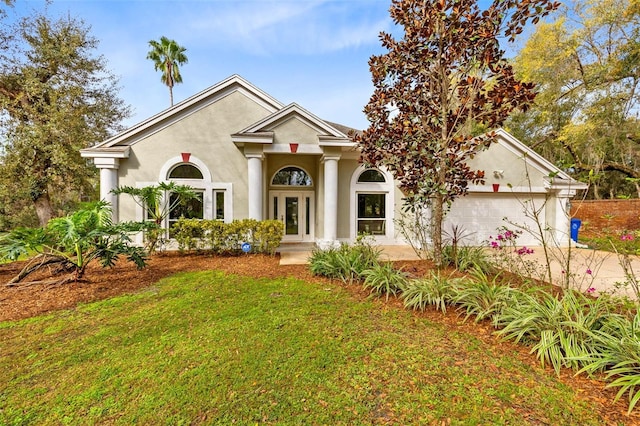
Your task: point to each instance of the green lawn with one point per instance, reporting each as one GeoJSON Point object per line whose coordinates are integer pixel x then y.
{"type": "Point", "coordinates": [206, 348]}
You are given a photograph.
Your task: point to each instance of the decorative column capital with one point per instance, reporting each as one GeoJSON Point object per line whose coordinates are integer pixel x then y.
{"type": "Point", "coordinates": [260, 156]}
{"type": "Point", "coordinates": [106, 162]}
{"type": "Point", "coordinates": [329, 157]}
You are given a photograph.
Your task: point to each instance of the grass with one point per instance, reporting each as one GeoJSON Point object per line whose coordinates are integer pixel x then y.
{"type": "Point", "coordinates": [207, 348]}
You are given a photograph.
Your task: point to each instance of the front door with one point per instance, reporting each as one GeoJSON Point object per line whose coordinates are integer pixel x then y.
{"type": "Point", "coordinates": [295, 210]}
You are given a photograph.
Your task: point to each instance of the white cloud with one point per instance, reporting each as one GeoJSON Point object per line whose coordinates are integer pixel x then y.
{"type": "Point", "coordinates": [300, 27]}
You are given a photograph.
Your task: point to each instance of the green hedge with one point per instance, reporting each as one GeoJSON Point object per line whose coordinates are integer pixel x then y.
{"type": "Point", "coordinates": [218, 237]}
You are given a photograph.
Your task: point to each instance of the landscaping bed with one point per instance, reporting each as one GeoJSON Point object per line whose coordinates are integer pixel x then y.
{"type": "Point", "coordinates": [33, 300]}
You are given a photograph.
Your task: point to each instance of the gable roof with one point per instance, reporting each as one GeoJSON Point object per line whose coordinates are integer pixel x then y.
{"type": "Point", "coordinates": [555, 176]}
{"type": "Point", "coordinates": [262, 131]}
{"type": "Point", "coordinates": [139, 131]}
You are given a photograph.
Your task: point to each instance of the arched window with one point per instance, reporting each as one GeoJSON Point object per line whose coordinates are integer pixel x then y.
{"type": "Point", "coordinates": [371, 176]}
{"type": "Point", "coordinates": [291, 176]}
{"type": "Point", "coordinates": [372, 202]}
{"type": "Point", "coordinates": [185, 171]}
{"type": "Point", "coordinates": [192, 209]}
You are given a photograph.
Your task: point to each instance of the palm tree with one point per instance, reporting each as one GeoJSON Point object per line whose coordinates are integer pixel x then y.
{"type": "Point", "coordinates": [167, 56]}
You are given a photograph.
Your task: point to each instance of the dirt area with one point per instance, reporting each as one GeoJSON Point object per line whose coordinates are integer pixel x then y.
{"type": "Point", "coordinates": [26, 301]}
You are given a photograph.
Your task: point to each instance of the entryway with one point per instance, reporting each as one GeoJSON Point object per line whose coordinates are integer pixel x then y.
{"type": "Point", "coordinates": [295, 210]}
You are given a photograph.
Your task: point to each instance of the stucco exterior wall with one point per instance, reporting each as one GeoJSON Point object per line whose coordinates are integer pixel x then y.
{"type": "Point", "coordinates": [293, 130]}
{"type": "Point", "coordinates": [345, 173]}
{"type": "Point", "coordinates": [206, 135]}
{"type": "Point", "coordinates": [499, 158]}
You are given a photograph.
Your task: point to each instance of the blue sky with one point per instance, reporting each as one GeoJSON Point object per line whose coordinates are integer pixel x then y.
{"type": "Point", "coordinates": [313, 52]}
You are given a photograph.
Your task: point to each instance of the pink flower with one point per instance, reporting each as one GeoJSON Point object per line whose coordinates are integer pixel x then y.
{"type": "Point", "coordinates": [589, 272]}
{"type": "Point", "coordinates": [626, 237]}
{"type": "Point", "coordinates": [494, 244]}
{"type": "Point", "coordinates": [524, 250]}
{"type": "Point", "coordinates": [591, 290]}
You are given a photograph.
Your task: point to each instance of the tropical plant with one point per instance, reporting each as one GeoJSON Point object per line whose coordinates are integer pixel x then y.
{"type": "Point", "coordinates": [438, 290]}
{"type": "Point", "coordinates": [483, 297]}
{"type": "Point", "coordinates": [71, 243]}
{"type": "Point", "coordinates": [619, 354]}
{"type": "Point", "coordinates": [348, 262]}
{"type": "Point", "coordinates": [384, 279]}
{"type": "Point", "coordinates": [157, 202]}
{"type": "Point", "coordinates": [560, 329]}
{"type": "Point", "coordinates": [167, 56]}
{"type": "Point", "coordinates": [437, 89]}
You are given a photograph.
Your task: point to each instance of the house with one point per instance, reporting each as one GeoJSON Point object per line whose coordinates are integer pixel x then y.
{"type": "Point", "coordinates": [250, 156]}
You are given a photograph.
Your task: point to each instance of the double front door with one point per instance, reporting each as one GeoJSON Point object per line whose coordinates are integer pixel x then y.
{"type": "Point", "coordinates": [295, 210]}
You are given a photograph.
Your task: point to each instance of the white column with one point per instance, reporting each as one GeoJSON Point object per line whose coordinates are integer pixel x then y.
{"type": "Point", "coordinates": [562, 220]}
{"type": "Point", "coordinates": [108, 182]}
{"type": "Point", "coordinates": [330, 200]}
{"type": "Point", "coordinates": [255, 185]}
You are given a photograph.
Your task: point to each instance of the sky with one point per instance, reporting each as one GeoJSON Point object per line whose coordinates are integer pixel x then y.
{"type": "Point", "coordinates": [312, 52]}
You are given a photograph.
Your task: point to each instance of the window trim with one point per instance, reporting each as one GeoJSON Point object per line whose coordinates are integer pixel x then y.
{"type": "Point", "coordinates": [387, 188]}
{"type": "Point", "coordinates": [297, 187]}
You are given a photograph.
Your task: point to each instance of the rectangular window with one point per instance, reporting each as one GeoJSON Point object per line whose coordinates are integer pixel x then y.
{"type": "Point", "coordinates": [307, 210]}
{"type": "Point", "coordinates": [218, 207]}
{"type": "Point", "coordinates": [371, 214]}
{"type": "Point", "coordinates": [275, 208]}
{"type": "Point", "coordinates": [192, 209]}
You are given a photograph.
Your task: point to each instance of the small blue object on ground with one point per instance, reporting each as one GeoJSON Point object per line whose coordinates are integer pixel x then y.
{"type": "Point", "coordinates": [246, 247]}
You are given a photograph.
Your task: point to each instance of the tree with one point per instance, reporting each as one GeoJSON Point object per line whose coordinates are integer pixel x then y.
{"type": "Point", "coordinates": [167, 56]}
{"type": "Point", "coordinates": [56, 98]}
{"type": "Point", "coordinates": [157, 203]}
{"type": "Point", "coordinates": [445, 76]}
{"type": "Point", "coordinates": [585, 116]}
{"type": "Point", "coordinates": [71, 243]}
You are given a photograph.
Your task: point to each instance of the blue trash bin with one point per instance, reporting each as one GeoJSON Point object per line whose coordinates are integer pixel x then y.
{"type": "Point", "coordinates": [575, 226]}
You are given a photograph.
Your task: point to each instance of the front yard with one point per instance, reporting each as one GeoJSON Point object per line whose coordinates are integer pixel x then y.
{"type": "Point", "coordinates": [212, 347]}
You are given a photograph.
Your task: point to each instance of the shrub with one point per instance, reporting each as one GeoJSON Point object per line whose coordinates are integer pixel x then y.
{"type": "Point", "coordinates": [619, 352]}
{"type": "Point", "coordinates": [218, 237]}
{"type": "Point", "coordinates": [348, 262]}
{"type": "Point", "coordinates": [437, 290]}
{"type": "Point", "coordinates": [466, 258]}
{"type": "Point", "coordinates": [383, 278]}
{"type": "Point", "coordinates": [560, 330]}
{"type": "Point", "coordinates": [483, 297]}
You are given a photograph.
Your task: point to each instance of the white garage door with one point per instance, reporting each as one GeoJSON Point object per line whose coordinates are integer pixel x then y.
{"type": "Point", "coordinates": [481, 214]}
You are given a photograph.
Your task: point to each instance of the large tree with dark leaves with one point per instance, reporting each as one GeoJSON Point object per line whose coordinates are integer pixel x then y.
{"type": "Point", "coordinates": [445, 77]}
{"type": "Point", "coordinates": [56, 97]}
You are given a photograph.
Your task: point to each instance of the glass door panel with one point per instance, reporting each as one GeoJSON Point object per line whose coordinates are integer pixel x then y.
{"type": "Point", "coordinates": [292, 215]}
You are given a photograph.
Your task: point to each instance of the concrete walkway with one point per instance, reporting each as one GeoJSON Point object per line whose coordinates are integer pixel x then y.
{"type": "Point", "coordinates": [589, 268]}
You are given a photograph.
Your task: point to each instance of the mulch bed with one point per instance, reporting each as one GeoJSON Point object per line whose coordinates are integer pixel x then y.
{"type": "Point", "coordinates": [19, 302]}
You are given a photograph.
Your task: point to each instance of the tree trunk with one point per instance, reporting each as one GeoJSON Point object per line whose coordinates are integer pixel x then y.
{"type": "Point", "coordinates": [43, 208]}
{"type": "Point", "coordinates": [437, 212]}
